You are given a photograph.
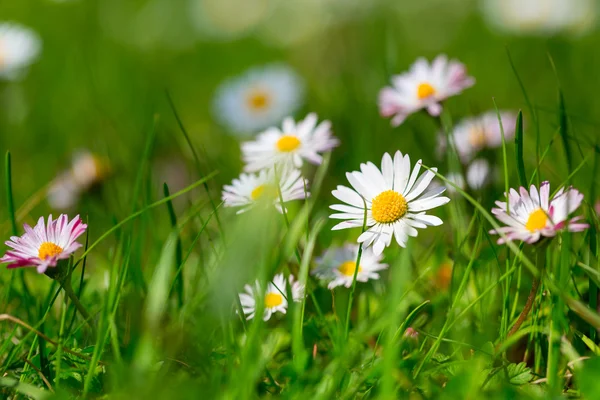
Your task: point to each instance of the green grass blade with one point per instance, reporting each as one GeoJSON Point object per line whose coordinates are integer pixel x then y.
{"type": "Point", "coordinates": [178, 252]}
{"type": "Point", "coordinates": [9, 194]}
{"type": "Point", "coordinates": [519, 150]}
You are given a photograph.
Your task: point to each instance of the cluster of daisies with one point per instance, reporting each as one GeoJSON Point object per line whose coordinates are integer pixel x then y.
{"type": "Point", "coordinates": [388, 202]}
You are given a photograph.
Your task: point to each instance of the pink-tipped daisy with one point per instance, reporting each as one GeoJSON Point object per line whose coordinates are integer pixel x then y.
{"type": "Point", "coordinates": [290, 145]}
{"type": "Point", "coordinates": [423, 86]}
{"type": "Point", "coordinates": [45, 244]}
{"type": "Point", "coordinates": [533, 215]}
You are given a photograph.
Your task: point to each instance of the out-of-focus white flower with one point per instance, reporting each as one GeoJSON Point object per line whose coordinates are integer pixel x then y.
{"type": "Point", "coordinates": [290, 145]}
{"type": "Point", "coordinates": [424, 86]}
{"type": "Point", "coordinates": [19, 47]}
{"type": "Point", "coordinates": [541, 17]}
{"type": "Point", "coordinates": [87, 170]}
{"type": "Point", "coordinates": [472, 135]}
{"type": "Point", "coordinates": [274, 300]}
{"type": "Point", "coordinates": [249, 190]}
{"type": "Point", "coordinates": [338, 265]}
{"type": "Point", "coordinates": [63, 192]}
{"type": "Point", "coordinates": [228, 19]}
{"type": "Point", "coordinates": [457, 179]}
{"type": "Point", "coordinates": [478, 173]}
{"type": "Point", "coordinates": [260, 98]}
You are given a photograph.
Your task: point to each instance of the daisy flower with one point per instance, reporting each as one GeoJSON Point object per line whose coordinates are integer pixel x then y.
{"type": "Point", "coordinates": [259, 98]}
{"type": "Point", "coordinates": [533, 215]}
{"type": "Point", "coordinates": [86, 171]}
{"type": "Point", "coordinates": [457, 179]}
{"type": "Point", "coordinates": [19, 47]}
{"type": "Point", "coordinates": [395, 201]}
{"type": "Point", "coordinates": [274, 297]}
{"type": "Point", "coordinates": [540, 17]}
{"type": "Point", "coordinates": [337, 266]}
{"type": "Point", "coordinates": [478, 174]}
{"type": "Point", "coordinates": [251, 189]}
{"type": "Point", "coordinates": [45, 244]}
{"type": "Point", "coordinates": [290, 145]}
{"type": "Point", "coordinates": [298, 289]}
{"type": "Point", "coordinates": [423, 86]}
{"type": "Point", "coordinates": [472, 135]}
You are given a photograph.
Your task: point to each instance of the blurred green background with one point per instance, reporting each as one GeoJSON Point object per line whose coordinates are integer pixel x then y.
{"type": "Point", "coordinates": [105, 67]}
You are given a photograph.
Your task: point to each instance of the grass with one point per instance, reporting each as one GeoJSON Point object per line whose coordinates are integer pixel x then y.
{"type": "Point", "coordinates": [163, 260]}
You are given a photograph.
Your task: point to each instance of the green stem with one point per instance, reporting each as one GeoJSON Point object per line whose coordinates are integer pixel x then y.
{"type": "Point", "coordinates": [528, 305]}
{"type": "Point", "coordinates": [351, 298]}
{"type": "Point", "coordinates": [66, 286]}
{"type": "Point", "coordinates": [356, 268]}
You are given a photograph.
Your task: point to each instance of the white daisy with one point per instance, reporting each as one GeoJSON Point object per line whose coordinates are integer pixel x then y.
{"type": "Point", "coordinates": [423, 86]}
{"type": "Point", "coordinates": [297, 288]}
{"type": "Point", "coordinates": [290, 145]}
{"type": "Point", "coordinates": [274, 297]}
{"type": "Point", "coordinates": [251, 189]}
{"type": "Point", "coordinates": [259, 98]}
{"type": "Point", "coordinates": [472, 135]}
{"type": "Point", "coordinates": [87, 170]}
{"type": "Point", "coordinates": [457, 179]}
{"type": "Point", "coordinates": [533, 215]}
{"type": "Point", "coordinates": [337, 266]}
{"type": "Point", "coordinates": [478, 174]}
{"type": "Point", "coordinates": [395, 199]}
{"type": "Point", "coordinates": [542, 17]}
{"type": "Point", "coordinates": [19, 47]}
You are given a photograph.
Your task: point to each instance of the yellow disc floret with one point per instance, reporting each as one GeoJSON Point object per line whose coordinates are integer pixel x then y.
{"type": "Point", "coordinates": [388, 206]}
{"type": "Point", "coordinates": [264, 191]}
{"type": "Point", "coordinates": [288, 143]}
{"type": "Point", "coordinates": [425, 90]}
{"type": "Point", "coordinates": [477, 137]}
{"type": "Point", "coordinates": [273, 300]}
{"type": "Point", "coordinates": [258, 100]}
{"type": "Point", "coordinates": [48, 249]}
{"type": "Point", "coordinates": [537, 220]}
{"type": "Point", "coordinates": [347, 268]}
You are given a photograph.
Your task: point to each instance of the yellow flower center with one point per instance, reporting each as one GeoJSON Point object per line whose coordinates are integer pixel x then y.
{"type": "Point", "coordinates": [347, 268]}
{"type": "Point", "coordinates": [48, 249]}
{"type": "Point", "coordinates": [425, 90]}
{"type": "Point", "coordinates": [273, 300]}
{"type": "Point", "coordinates": [477, 137]}
{"type": "Point", "coordinates": [258, 100]}
{"type": "Point", "coordinates": [388, 206]}
{"type": "Point", "coordinates": [536, 221]}
{"type": "Point", "coordinates": [288, 143]}
{"type": "Point", "coordinates": [264, 191]}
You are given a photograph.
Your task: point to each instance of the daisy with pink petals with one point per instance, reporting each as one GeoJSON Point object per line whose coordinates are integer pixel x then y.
{"type": "Point", "coordinates": [424, 86]}
{"type": "Point", "coordinates": [533, 215]}
{"type": "Point", "coordinates": [45, 244]}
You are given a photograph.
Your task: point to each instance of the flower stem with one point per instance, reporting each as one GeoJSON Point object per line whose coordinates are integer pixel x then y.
{"type": "Point", "coordinates": [540, 263]}
{"type": "Point", "coordinates": [356, 268]}
{"type": "Point", "coordinates": [351, 297]}
{"type": "Point", "coordinates": [527, 308]}
{"type": "Point", "coordinates": [66, 286]}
